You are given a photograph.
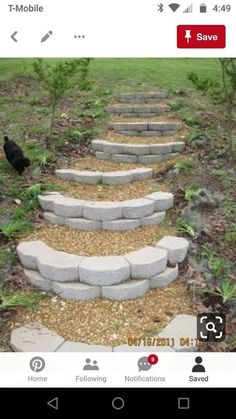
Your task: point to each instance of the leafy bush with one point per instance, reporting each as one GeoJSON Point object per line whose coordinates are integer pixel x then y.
{"type": "Point", "coordinates": [9, 301]}
{"type": "Point", "coordinates": [231, 234]}
{"type": "Point", "coordinates": [187, 227]}
{"type": "Point", "coordinates": [191, 192]}
{"type": "Point", "coordinates": [184, 165]}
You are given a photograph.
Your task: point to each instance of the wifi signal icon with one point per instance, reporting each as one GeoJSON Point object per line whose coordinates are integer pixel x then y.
{"type": "Point", "coordinates": [174, 6]}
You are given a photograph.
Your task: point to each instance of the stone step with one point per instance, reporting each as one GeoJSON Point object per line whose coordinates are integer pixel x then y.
{"type": "Point", "coordinates": [138, 110]}
{"type": "Point", "coordinates": [141, 97]}
{"type": "Point", "coordinates": [136, 153]}
{"type": "Point", "coordinates": [124, 215]}
{"type": "Point", "coordinates": [81, 278]}
{"type": "Point", "coordinates": [120, 177]}
{"type": "Point", "coordinates": [142, 128]}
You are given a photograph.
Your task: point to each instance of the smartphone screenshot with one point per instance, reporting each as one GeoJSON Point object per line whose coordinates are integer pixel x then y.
{"type": "Point", "coordinates": [118, 207]}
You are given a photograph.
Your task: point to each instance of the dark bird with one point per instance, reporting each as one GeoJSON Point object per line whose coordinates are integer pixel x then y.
{"type": "Point", "coordinates": [15, 156]}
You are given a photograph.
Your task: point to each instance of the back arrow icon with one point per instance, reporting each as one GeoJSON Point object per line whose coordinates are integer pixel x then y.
{"type": "Point", "coordinates": [13, 36]}
{"type": "Point", "coordinates": [53, 403]}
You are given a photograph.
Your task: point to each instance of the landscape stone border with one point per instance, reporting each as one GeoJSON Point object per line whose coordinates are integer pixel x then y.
{"type": "Point", "coordinates": [137, 110]}
{"type": "Point", "coordinates": [112, 277]}
{"type": "Point", "coordinates": [136, 153]}
{"type": "Point", "coordinates": [120, 177]}
{"type": "Point", "coordinates": [153, 129]}
{"type": "Point", "coordinates": [38, 338]}
{"type": "Point", "coordinates": [119, 216]}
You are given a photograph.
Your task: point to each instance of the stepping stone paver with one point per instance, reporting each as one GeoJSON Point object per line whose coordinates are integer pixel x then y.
{"type": "Point", "coordinates": [182, 326]}
{"type": "Point", "coordinates": [117, 178]}
{"type": "Point", "coordinates": [177, 248]}
{"type": "Point", "coordinates": [69, 346]}
{"type": "Point", "coordinates": [54, 219]}
{"type": "Point", "coordinates": [35, 338]}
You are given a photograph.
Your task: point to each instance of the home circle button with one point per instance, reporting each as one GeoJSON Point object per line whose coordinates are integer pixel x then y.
{"type": "Point", "coordinates": [118, 403]}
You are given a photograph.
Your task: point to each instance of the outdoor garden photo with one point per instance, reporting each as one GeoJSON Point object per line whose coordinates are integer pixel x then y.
{"type": "Point", "coordinates": [117, 203]}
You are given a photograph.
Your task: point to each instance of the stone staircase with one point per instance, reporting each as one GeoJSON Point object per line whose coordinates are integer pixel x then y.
{"type": "Point", "coordinates": [113, 277]}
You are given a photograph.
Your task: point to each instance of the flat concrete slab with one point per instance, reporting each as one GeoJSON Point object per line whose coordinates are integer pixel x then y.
{"type": "Point", "coordinates": [35, 338]}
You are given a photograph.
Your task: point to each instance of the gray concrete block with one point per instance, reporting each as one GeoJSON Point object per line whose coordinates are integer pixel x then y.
{"type": "Point", "coordinates": [146, 262]}
{"type": "Point", "coordinates": [66, 174]}
{"type": "Point", "coordinates": [182, 326]}
{"type": "Point", "coordinates": [123, 97]}
{"type": "Point", "coordinates": [130, 133]}
{"type": "Point", "coordinates": [117, 178]}
{"type": "Point", "coordinates": [161, 148]}
{"type": "Point", "coordinates": [153, 219]}
{"type": "Point", "coordinates": [150, 159]}
{"type": "Point", "coordinates": [165, 278]}
{"type": "Point", "coordinates": [35, 338]}
{"type": "Point", "coordinates": [141, 174]}
{"type": "Point", "coordinates": [68, 207]}
{"type": "Point", "coordinates": [102, 211]}
{"type": "Point", "coordinates": [97, 144]}
{"type": "Point", "coordinates": [52, 218]}
{"type": "Point", "coordinates": [113, 148]}
{"type": "Point", "coordinates": [37, 280]}
{"type": "Point", "coordinates": [163, 200]}
{"type": "Point", "coordinates": [178, 146]}
{"type": "Point", "coordinates": [59, 266]}
{"type": "Point", "coordinates": [102, 156]}
{"type": "Point", "coordinates": [120, 225]}
{"type": "Point", "coordinates": [177, 248]}
{"type": "Point", "coordinates": [76, 291]}
{"type": "Point", "coordinates": [136, 149]}
{"type": "Point", "coordinates": [169, 156]}
{"type": "Point", "coordinates": [69, 346]}
{"type": "Point", "coordinates": [104, 270]}
{"type": "Point", "coordinates": [83, 224]}
{"type": "Point", "coordinates": [126, 291]}
{"type": "Point", "coordinates": [129, 126]}
{"type": "Point", "coordinates": [47, 201]}
{"type": "Point", "coordinates": [151, 133]}
{"type": "Point", "coordinates": [137, 208]}
{"type": "Point", "coordinates": [86, 176]}
{"type": "Point", "coordinates": [165, 126]}
{"type": "Point", "coordinates": [169, 133]}
{"type": "Point", "coordinates": [124, 158]}
{"type": "Point", "coordinates": [29, 251]}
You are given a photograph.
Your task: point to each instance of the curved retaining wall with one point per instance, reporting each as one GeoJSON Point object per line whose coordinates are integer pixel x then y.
{"type": "Point", "coordinates": [136, 153]}
{"type": "Point", "coordinates": [124, 215]}
{"type": "Point", "coordinates": [112, 277]}
{"type": "Point", "coordinates": [120, 177]}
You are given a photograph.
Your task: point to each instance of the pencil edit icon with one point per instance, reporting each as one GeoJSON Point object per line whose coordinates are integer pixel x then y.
{"type": "Point", "coordinates": [47, 36]}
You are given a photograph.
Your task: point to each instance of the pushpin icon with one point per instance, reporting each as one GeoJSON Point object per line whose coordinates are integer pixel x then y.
{"type": "Point", "coordinates": [188, 35]}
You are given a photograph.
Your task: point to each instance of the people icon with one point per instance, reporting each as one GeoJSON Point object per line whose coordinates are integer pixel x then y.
{"type": "Point", "coordinates": [90, 367]}
{"type": "Point", "coordinates": [198, 367]}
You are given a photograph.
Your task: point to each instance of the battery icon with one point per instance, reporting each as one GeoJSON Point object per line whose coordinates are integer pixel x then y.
{"type": "Point", "coordinates": [203, 8]}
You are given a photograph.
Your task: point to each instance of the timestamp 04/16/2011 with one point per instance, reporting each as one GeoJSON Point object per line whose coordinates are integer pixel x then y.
{"type": "Point", "coordinates": [159, 341]}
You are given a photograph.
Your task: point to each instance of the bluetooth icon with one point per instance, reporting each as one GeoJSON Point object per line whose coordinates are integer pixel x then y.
{"type": "Point", "coordinates": [160, 8]}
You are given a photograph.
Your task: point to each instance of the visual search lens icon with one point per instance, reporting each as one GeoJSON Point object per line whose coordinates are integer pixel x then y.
{"type": "Point", "coordinates": [37, 364]}
{"type": "Point", "coordinates": [211, 327]}
{"type": "Point", "coordinates": [174, 6]}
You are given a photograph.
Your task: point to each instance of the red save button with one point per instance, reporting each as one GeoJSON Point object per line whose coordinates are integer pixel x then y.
{"type": "Point", "coordinates": [201, 36]}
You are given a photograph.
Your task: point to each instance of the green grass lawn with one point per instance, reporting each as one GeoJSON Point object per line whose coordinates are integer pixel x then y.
{"type": "Point", "coordinates": [132, 74]}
